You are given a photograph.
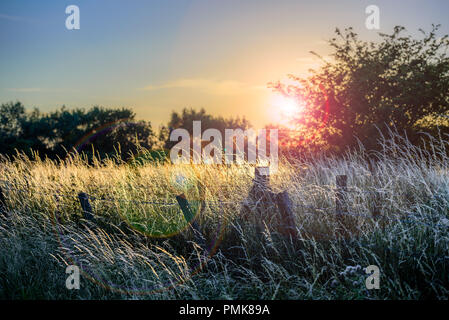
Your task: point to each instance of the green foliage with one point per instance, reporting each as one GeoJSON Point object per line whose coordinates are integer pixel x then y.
{"type": "Point", "coordinates": [394, 82]}
{"type": "Point", "coordinates": [100, 130]}
{"type": "Point", "coordinates": [19, 129]}
{"type": "Point", "coordinates": [145, 157]}
{"type": "Point", "coordinates": [186, 118]}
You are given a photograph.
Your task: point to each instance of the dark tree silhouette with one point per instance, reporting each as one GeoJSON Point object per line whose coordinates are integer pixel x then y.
{"type": "Point", "coordinates": [398, 82]}
{"type": "Point", "coordinates": [54, 134]}
{"type": "Point", "coordinates": [186, 118]}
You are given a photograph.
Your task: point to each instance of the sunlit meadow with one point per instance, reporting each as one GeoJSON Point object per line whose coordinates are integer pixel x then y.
{"type": "Point", "coordinates": [140, 245]}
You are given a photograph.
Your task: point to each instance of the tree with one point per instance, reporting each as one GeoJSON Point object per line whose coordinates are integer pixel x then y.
{"type": "Point", "coordinates": [396, 82]}
{"type": "Point", "coordinates": [186, 118]}
{"type": "Point", "coordinates": [106, 130]}
{"type": "Point", "coordinates": [20, 130]}
{"type": "Point", "coordinates": [54, 134]}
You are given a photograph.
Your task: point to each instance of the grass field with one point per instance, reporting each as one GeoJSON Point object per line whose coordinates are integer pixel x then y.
{"type": "Point", "coordinates": [141, 250]}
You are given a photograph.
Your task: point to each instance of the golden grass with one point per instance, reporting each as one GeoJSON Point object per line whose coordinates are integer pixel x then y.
{"type": "Point", "coordinates": [44, 230]}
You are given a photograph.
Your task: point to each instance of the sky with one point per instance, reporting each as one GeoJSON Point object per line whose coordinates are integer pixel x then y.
{"type": "Point", "coordinates": [163, 55]}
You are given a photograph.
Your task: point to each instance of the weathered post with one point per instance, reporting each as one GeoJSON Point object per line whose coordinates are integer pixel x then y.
{"type": "Point", "coordinates": [262, 201]}
{"type": "Point", "coordinates": [340, 203]}
{"type": "Point", "coordinates": [262, 177]}
{"type": "Point", "coordinates": [377, 196]}
{"type": "Point", "coordinates": [188, 215]}
{"type": "Point", "coordinates": [260, 197]}
{"type": "Point", "coordinates": [287, 217]}
{"type": "Point", "coordinates": [377, 204]}
{"type": "Point", "coordinates": [260, 192]}
{"type": "Point", "coordinates": [342, 188]}
{"type": "Point", "coordinates": [2, 202]}
{"type": "Point", "coordinates": [85, 205]}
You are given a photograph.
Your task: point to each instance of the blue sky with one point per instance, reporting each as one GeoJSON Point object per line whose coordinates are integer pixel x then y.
{"type": "Point", "coordinates": [159, 56]}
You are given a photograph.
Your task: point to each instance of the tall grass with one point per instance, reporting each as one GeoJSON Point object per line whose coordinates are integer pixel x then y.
{"type": "Point", "coordinates": [145, 251]}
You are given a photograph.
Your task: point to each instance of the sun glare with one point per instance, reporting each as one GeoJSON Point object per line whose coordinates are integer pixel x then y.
{"type": "Point", "coordinates": [288, 106]}
{"type": "Point", "coordinates": [284, 109]}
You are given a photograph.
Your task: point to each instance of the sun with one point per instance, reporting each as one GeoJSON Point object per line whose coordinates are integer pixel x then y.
{"type": "Point", "coordinates": [284, 109]}
{"type": "Point", "coordinates": [288, 106]}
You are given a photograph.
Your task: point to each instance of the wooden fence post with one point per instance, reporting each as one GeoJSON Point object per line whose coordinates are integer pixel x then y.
{"type": "Point", "coordinates": [340, 203]}
{"type": "Point", "coordinates": [188, 215]}
{"type": "Point", "coordinates": [377, 196]}
{"type": "Point", "coordinates": [85, 205]}
{"type": "Point", "coordinates": [287, 216]}
{"type": "Point", "coordinates": [262, 177]}
{"type": "Point", "coordinates": [342, 188]}
{"type": "Point", "coordinates": [377, 200]}
{"type": "Point", "coordinates": [260, 196]}
{"type": "Point", "coordinates": [2, 202]}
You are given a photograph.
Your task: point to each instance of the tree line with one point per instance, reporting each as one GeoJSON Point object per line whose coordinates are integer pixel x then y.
{"type": "Point", "coordinates": [397, 83]}
{"type": "Point", "coordinates": [99, 131]}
